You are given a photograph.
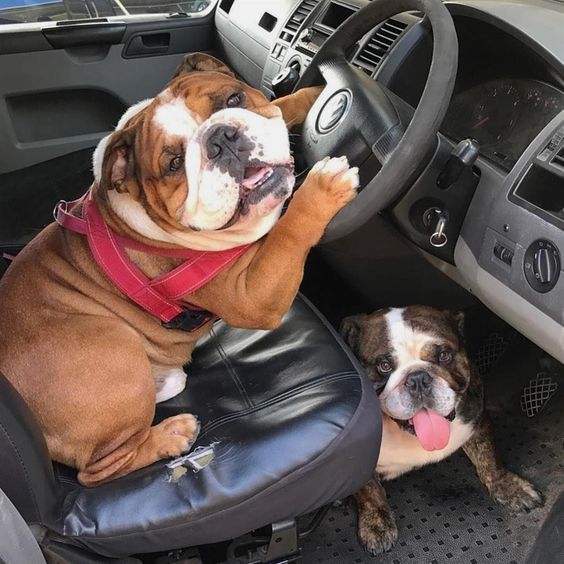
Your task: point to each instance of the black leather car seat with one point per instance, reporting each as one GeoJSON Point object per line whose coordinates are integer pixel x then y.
{"type": "Point", "coordinates": [295, 423]}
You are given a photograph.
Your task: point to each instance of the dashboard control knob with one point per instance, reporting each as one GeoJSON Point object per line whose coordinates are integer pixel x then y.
{"type": "Point", "coordinates": [306, 35]}
{"type": "Point", "coordinates": [542, 265]}
{"type": "Point", "coordinates": [283, 83]}
{"type": "Point", "coordinates": [545, 265]}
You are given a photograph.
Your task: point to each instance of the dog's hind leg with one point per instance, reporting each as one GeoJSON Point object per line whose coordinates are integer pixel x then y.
{"type": "Point", "coordinates": [504, 486]}
{"type": "Point", "coordinates": [377, 529]}
{"type": "Point", "coordinates": [170, 438]}
{"type": "Point", "coordinates": [101, 402]}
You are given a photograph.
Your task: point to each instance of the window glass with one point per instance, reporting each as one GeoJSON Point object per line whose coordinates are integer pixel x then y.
{"type": "Point", "coordinates": [26, 11]}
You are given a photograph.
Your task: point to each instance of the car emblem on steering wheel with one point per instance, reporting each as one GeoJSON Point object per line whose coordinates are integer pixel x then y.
{"type": "Point", "coordinates": [334, 111]}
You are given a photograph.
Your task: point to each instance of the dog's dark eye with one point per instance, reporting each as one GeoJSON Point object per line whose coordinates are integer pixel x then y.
{"type": "Point", "coordinates": [445, 357]}
{"type": "Point", "coordinates": [176, 163]}
{"type": "Point", "coordinates": [234, 101]}
{"type": "Point", "coordinates": [384, 366]}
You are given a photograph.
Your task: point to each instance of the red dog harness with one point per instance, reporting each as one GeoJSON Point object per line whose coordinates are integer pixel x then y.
{"type": "Point", "coordinates": [162, 296]}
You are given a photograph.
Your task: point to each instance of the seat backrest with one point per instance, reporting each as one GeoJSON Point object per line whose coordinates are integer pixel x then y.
{"type": "Point", "coordinates": [26, 471]}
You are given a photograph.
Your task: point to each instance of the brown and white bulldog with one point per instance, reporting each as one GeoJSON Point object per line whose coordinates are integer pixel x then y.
{"type": "Point", "coordinates": [204, 165]}
{"type": "Point", "coordinates": [432, 404]}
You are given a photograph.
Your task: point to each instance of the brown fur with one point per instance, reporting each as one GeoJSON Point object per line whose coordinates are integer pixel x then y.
{"type": "Point", "coordinates": [80, 353]}
{"type": "Point", "coordinates": [504, 486]}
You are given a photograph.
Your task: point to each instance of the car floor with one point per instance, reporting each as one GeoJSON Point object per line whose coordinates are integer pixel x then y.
{"type": "Point", "coordinates": [443, 512]}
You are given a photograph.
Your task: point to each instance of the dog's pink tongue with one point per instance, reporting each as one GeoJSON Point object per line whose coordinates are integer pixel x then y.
{"type": "Point", "coordinates": [432, 429]}
{"type": "Point", "coordinates": [253, 175]}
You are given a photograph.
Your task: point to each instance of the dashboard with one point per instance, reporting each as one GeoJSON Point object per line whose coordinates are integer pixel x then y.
{"type": "Point", "coordinates": [506, 227]}
{"type": "Point", "coordinates": [502, 104]}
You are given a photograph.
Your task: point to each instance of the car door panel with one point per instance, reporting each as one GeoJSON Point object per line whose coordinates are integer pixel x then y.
{"type": "Point", "coordinates": [64, 88]}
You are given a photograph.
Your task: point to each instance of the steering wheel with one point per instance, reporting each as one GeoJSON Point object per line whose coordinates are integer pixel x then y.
{"type": "Point", "coordinates": [357, 116]}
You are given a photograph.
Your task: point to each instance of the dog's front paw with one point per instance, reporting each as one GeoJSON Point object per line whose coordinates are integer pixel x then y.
{"type": "Point", "coordinates": [176, 435]}
{"type": "Point", "coordinates": [377, 530]}
{"type": "Point", "coordinates": [330, 186]}
{"type": "Point", "coordinates": [515, 493]}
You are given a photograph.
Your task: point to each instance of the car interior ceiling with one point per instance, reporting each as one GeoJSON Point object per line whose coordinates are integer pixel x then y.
{"type": "Point", "coordinates": [505, 65]}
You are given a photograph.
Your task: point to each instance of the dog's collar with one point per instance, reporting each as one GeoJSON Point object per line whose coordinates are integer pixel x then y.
{"type": "Point", "coordinates": [163, 296]}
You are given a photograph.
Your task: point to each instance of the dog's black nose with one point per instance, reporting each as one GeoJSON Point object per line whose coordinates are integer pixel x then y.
{"type": "Point", "coordinates": [418, 382]}
{"type": "Point", "coordinates": [222, 141]}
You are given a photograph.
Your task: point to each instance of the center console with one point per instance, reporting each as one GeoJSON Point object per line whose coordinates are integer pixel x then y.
{"type": "Point", "coordinates": [510, 249]}
{"type": "Point", "coordinates": [524, 235]}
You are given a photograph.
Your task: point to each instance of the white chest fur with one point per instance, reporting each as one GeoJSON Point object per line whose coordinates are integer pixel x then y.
{"type": "Point", "coordinates": [400, 451]}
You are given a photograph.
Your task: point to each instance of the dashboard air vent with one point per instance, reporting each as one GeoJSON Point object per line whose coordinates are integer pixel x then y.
{"type": "Point", "coordinates": [369, 57]}
{"type": "Point", "coordinates": [297, 19]}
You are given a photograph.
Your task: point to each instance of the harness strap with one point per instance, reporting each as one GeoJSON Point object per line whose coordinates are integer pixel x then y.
{"type": "Point", "coordinates": [162, 296]}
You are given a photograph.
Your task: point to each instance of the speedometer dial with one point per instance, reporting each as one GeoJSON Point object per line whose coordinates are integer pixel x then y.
{"type": "Point", "coordinates": [495, 113]}
{"type": "Point", "coordinates": [552, 105]}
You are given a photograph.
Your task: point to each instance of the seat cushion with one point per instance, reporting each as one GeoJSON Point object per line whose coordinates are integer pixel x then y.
{"type": "Point", "coordinates": [296, 426]}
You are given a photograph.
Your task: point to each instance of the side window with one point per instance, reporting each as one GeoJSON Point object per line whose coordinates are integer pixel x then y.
{"type": "Point", "coordinates": [31, 11]}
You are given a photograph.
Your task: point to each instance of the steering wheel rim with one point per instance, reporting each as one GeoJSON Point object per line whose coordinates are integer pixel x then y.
{"type": "Point", "coordinates": [400, 158]}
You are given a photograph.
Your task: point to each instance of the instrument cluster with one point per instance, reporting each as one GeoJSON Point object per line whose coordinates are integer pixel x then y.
{"type": "Point", "coordinates": [504, 115]}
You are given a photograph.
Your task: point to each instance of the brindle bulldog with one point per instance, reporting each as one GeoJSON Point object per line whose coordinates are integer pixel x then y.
{"type": "Point", "coordinates": [432, 404]}
{"type": "Point", "coordinates": [205, 165]}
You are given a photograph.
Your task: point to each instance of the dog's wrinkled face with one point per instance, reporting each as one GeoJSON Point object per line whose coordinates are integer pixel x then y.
{"type": "Point", "coordinates": [415, 356]}
{"type": "Point", "coordinates": [206, 164]}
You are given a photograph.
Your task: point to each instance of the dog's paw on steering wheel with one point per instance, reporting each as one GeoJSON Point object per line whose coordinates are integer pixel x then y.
{"type": "Point", "coordinates": [330, 185]}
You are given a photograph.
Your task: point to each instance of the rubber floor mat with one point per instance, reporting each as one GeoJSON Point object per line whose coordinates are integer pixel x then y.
{"type": "Point", "coordinates": [444, 514]}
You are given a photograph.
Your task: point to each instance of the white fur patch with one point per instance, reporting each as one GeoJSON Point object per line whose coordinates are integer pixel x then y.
{"type": "Point", "coordinates": [169, 382]}
{"type": "Point", "coordinates": [176, 119]}
{"type": "Point", "coordinates": [406, 343]}
{"type": "Point", "coordinates": [401, 452]}
{"type": "Point", "coordinates": [134, 214]}
{"type": "Point", "coordinates": [98, 157]}
{"type": "Point", "coordinates": [131, 111]}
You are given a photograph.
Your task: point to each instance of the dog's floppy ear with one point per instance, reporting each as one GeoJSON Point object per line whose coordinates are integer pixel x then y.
{"type": "Point", "coordinates": [351, 329]}
{"type": "Point", "coordinates": [118, 164]}
{"type": "Point", "coordinates": [194, 62]}
{"type": "Point", "coordinates": [457, 318]}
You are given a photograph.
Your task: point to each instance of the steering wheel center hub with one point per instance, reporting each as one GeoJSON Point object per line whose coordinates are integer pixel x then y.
{"type": "Point", "coordinates": [334, 111]}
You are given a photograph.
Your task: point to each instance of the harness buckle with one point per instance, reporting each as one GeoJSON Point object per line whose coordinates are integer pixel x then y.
{"type": "Point", "coordinates": [189, 320]}
{"type": "Point", "coordinates": [61, 204]}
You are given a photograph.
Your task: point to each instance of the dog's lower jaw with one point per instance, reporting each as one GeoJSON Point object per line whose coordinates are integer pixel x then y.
{"type": "Point", "coordinates": [401, 451]}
